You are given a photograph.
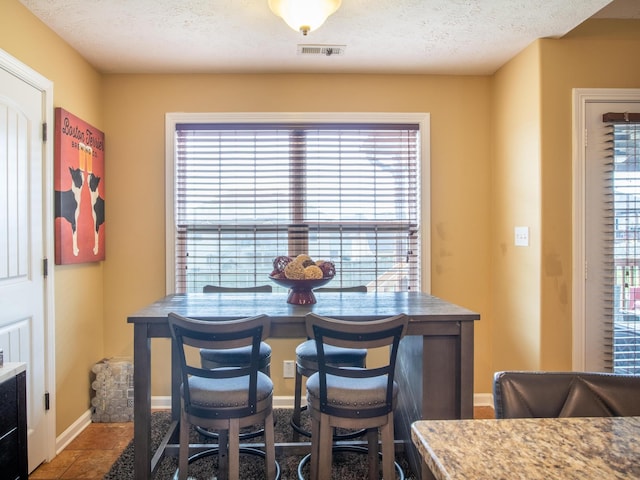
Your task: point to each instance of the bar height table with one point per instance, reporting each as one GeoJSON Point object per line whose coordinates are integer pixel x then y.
{"type": "Point", "coordinates": [435, 360]}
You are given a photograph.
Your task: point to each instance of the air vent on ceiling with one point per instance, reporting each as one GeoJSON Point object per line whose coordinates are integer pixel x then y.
{"type": "Point", "coordinates": [326, 50]}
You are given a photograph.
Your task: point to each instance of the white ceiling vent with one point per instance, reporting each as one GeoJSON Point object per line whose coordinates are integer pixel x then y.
{"type": "Point", "coordinates": [326, 50]}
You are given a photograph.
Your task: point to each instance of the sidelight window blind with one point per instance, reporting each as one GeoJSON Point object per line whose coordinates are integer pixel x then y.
{"type": "Point", "coordinates": [247, 193]}
{"type": "Point", "coordinates": [622, 220]}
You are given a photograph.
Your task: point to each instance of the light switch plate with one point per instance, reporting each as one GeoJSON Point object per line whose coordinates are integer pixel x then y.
{"type": "Point", "coordinates": [521, 236]}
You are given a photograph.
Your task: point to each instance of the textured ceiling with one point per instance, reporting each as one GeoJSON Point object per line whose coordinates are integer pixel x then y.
{"type": "Point", "coordinates": [380, 36]}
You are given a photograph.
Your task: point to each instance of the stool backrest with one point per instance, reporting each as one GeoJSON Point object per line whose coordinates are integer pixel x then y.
{"type": "Point", "coordinates": [356, 334]}
{"type": "Point", "coordinates": [194, 334]}
{"type": "Point", "coordinates": [357, 288]}
{"type": "Point", "coordinates": [216, 288]}
{"type": "Point", "coordinates": [530, 394]}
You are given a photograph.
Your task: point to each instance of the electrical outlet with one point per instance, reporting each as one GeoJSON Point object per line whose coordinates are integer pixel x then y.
{"type": "Point", "coordinates": [288, 369]}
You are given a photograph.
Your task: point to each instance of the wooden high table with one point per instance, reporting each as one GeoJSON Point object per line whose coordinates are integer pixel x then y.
{"type": "Point", "coordinates": [434, 367]}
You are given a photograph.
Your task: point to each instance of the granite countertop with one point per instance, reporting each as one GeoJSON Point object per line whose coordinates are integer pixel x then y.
{"type": "Point", "coordinates": [11, 369]}
{"type": "Point", "coordinates": [531, 449]}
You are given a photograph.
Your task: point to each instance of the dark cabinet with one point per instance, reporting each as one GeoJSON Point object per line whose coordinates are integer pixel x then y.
{"type": "Point", "coordinates": [13, 426]}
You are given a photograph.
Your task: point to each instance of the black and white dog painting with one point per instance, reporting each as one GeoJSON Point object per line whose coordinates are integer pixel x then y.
{"type": "Point", "coordinates": [79, 176]}
{"type": "Point", "coordinates": [68, 204]}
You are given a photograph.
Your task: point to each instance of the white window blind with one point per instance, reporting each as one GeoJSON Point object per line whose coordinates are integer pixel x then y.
{"type": "Point", "coordinates": [622, 220]}
{"type": "Point", "coordinates": [247, 193]}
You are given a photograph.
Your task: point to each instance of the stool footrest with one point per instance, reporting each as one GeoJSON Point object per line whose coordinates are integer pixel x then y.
{"type": "Point", "coordinates": [346, 448]}
{"type": "Point", "coordinates": [245, 450]}
{"type": "Point", "coordinates": [243, 436]}
{"type": "Point", "coordinates": [336, 437]}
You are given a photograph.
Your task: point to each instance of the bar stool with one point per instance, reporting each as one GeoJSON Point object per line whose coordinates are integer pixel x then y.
{"type": "Point", "coordinates": [341, 397]}
{"type": "Point", "coordinates": [307, 365]}
{"type": "Point", "coordinates": [224, 399]}
{"type": "Point", "coordinates": [235, 357]}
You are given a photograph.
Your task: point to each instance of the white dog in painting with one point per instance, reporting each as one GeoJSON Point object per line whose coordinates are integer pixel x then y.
{"type": "Point", "coordinates": [68, 204]}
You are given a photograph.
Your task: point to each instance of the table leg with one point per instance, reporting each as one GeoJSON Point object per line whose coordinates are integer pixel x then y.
{"type": "Point", "coordinates": [435, 376]}
{"type": "Point", "coordinates": [176, 381]}
{"type": "Point", "coordinates": [141, 402]}
{"type": "Point", "coordinates": [409, 377]}
{"type": "Point", "coordinates": [466, 369]}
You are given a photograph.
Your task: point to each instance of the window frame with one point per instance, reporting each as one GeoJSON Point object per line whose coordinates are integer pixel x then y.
{"type": "Point", "coordinates": [422, 119]}
{"type": "Point", "coordinates": [582, 357]}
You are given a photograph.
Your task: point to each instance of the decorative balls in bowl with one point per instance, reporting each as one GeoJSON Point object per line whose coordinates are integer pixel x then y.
{"type": "Point", "coordinates": [301, 275]}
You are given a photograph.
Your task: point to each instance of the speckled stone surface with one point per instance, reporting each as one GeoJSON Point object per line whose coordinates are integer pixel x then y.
{"type": "Point", "coordinates": [531, 449]}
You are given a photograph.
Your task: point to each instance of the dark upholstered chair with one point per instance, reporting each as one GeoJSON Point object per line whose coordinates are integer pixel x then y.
{"type": "Point", "coordinates": [223, 399]}
{"type": "Point", "coordinates": [520, 394]}
{"type": "Point", "coordinates": [353, 398]}
{"type": "Point", "coordinates": [235, 357]}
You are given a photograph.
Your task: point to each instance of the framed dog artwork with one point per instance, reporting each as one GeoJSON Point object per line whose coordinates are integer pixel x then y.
{"type": "Point", "coordinates": [79, 190]}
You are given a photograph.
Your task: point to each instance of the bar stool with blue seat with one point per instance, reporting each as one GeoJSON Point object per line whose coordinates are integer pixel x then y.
{"type": "Point", "coordinates": [224, 399]}
{"type": "Point", "coordinates": [307, 365]}
{"type": "Point", "coordinates": [352, 398]}
{"type": "Point", "coordinates": [235, 357]}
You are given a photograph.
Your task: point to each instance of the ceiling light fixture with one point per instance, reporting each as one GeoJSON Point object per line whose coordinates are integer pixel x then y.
{"type": "Point", "coordinates": [304, 15]}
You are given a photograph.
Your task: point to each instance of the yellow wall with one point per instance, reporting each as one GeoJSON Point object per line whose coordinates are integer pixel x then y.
{"type": "Point", "coordinates": [515, 201]}
{"type": "Point", "coordinates": [532, 182]}
{"type": "Point", "coordinates": [135, 112]}
{"type": "Point", "coordinates": [79, 301]}
{"type": "Point", "coordinates": [598, 54]}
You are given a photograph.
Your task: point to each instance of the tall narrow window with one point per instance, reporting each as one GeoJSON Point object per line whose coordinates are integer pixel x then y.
{"type": "Point", "coordinates": [624, 216]}
{"type": "Point", "coordinates": [247, 193]}
{"type": "Point", "coordinates": [612, 238]}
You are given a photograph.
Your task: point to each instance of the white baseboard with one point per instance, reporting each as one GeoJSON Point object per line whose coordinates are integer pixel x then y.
{"type": "Point", "coordinates": [73, 431]}
{"type": "Point", "coordinates": [160, 403]}
{"type": "Point", "coordinates": [285, 402]}
{"type": "Point", "coordinates": [483, 400]}
{"type": "Point", "coordinates": [164, 403]}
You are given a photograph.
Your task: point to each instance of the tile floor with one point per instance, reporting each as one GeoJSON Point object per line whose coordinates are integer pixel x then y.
{"type": "Point", "coordinates": [91, 454]}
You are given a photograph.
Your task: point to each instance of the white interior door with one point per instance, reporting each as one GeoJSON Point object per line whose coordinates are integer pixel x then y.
{"type": "Point", "coordinates": [23, 295]}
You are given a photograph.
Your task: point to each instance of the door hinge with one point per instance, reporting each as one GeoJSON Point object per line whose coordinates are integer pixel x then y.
{"type": "Point", "coordinates": [45, 267]}
{"type": "Point", "coordinates": [46, 401]}
{"type": "Point", "coordinates": [44, 132]}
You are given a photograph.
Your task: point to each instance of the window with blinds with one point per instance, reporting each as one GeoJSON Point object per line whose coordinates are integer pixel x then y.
{"type": "Point", "coordinates": [623, 221]}
{"type": "Point", "coordinates": [247, 193]}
